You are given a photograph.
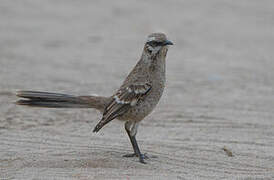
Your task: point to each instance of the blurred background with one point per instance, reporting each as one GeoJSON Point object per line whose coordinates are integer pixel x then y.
{"type": "Point", "coordinates": [219, 89]}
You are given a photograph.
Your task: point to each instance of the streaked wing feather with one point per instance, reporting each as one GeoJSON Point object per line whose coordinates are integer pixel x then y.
{"type": "Point", "coordinates": [122, 101]}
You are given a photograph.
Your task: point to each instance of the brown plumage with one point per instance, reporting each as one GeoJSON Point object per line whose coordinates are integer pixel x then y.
{"type": "Point", "coordinates": [132, 102]}
{"type": "Point", "coordinates": [121, 102]}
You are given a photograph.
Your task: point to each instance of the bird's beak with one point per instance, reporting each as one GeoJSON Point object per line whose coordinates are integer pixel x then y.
{"type": "Point", "coordinates": [167, 42]}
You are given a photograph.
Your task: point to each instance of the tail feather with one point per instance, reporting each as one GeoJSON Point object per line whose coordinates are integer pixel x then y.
{"type": "Point", "coordinates": [44, 95]}
{"type": "Point", "coordinates": [58, 100]}
{"type": "Point", "coordinates": [50, 104]}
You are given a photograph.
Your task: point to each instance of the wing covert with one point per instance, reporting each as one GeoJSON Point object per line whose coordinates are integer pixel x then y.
{"type": "Point", "coordinates": [122, 100]}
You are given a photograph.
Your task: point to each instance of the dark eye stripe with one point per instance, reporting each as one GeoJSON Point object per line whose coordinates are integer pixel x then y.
{"type": "Point", "coordinates": [155, 43]}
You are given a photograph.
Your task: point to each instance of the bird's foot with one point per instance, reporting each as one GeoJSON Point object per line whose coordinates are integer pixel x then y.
{"type": "Point", "coordinates": [141, 158]}
{"type": "Point", "coordinates": [144, 156]}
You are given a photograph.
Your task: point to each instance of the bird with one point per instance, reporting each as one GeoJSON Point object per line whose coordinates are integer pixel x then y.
{"type": "Point", "coordinates": [136, 98]}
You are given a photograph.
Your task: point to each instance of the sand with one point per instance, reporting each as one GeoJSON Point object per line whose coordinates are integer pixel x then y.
{"type": "Point", "coordinates": [215, 119]}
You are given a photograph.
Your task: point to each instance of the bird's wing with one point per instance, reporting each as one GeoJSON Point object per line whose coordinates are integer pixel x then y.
{"type": "Point", "coordinates": [121, 101]}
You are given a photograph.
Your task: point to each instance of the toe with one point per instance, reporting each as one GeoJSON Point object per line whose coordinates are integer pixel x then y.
{"type": "Point", "coordinates": [142, 161]}
{"type": "Point", "coordinates": [130, 155]}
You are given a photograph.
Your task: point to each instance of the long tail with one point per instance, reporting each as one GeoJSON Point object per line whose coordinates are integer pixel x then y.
{"type": "Point", "coordinates": [57, 100]}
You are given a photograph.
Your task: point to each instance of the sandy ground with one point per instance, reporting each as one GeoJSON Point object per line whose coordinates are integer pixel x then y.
{"type": "Point", "coordinates": [219, 92]}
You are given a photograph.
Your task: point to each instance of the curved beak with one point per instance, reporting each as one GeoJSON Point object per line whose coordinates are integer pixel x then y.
{"type": "Point", "coordinates": [167, 42]}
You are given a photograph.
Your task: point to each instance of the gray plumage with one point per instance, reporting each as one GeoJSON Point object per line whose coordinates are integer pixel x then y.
{"type": "Point", "coordinates": [132, 102]}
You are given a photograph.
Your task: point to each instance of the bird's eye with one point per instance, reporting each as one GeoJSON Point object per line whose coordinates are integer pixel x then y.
{"type": "Point", "coordinates": [154, 43]}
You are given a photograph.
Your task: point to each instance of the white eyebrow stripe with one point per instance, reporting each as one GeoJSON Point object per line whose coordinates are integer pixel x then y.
{"type": "Point", "coordinates": [150, 39]}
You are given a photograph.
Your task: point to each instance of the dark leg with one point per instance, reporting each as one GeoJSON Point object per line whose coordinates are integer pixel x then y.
{"type": "Point", "coordinates": [133, 143]}
{"type": "Point", "coordinates": [135, 146]}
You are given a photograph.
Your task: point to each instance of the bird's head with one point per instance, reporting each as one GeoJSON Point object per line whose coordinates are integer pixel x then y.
{"type": "Point", "coordinates": [156, 42]}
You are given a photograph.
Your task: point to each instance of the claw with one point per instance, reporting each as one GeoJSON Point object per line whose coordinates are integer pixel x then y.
{"type": "Point", "coordinates": [136, 155]}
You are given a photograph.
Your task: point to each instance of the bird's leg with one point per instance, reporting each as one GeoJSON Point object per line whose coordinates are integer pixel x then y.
{"type": "Point", "coordinates": [131, 138]}
{"type": "Point", "coordinates": [131, 134]}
